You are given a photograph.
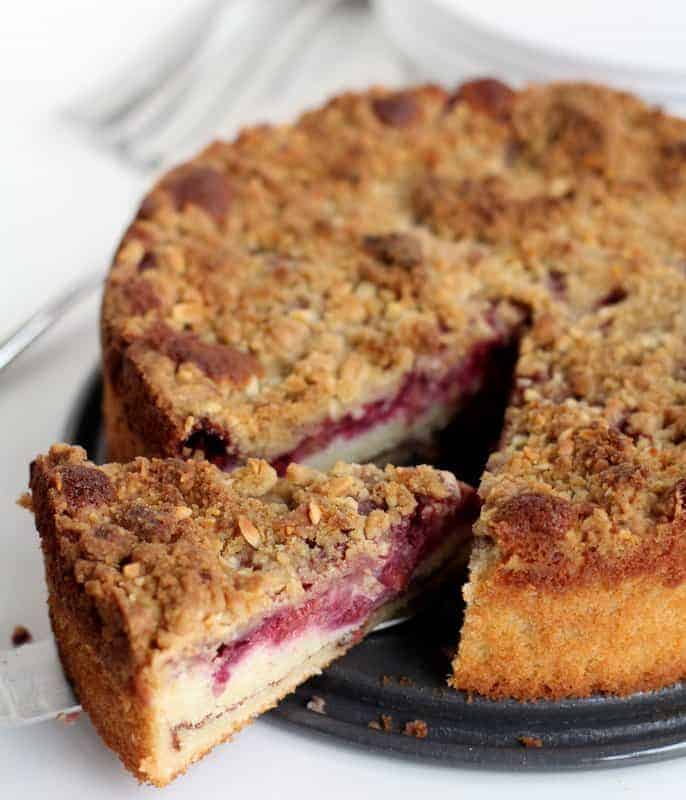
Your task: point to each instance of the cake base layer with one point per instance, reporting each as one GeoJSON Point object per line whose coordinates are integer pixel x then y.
{"type": "Point", "coordinates": [371, 444]}
{"type": "Point", "coordinates": [526, 642]}
{"type": "Point", "coordinates": [159, 751]}
{"type": "Point", "coordinates": [186, 743]}
{"type": "Point", "coordinates": [189, 743]}
{"type": "Point", "coordinates": [147, 746]}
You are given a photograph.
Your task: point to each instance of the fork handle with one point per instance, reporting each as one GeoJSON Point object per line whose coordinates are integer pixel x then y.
{"type": "Point", "coordinates": [36, 325]}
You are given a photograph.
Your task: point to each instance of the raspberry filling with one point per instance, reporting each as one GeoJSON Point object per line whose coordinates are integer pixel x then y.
{"type": "Point", "coordinates": [418, 393]}
{"type": "Point", "coordinates": [345, 605]}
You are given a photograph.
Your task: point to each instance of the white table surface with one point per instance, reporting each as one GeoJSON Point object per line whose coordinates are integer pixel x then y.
{"type": "Point", "coordinates": [64, 205]}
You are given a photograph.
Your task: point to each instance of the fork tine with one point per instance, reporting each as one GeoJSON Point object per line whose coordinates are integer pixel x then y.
{"type": "Point", "coordinates": [163, 101]}
{"type": "Point", "coordinates": [130, 87]}
{"type": "Point", "coordinates": [214, 69]}
{"type": "Point", "coordinates": [154, 150]}
{"type": "Point", "coordinates": [305, 22]}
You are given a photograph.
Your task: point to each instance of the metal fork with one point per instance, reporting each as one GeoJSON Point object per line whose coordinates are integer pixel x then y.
{"type": "Point", "coordinates": [225, 57]}
{"type": "Point", "coordinates": [43, 319]}
{"type": "Point", "coordinates": [234, 50]}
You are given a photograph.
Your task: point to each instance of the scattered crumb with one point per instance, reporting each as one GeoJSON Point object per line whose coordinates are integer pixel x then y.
{"type": "Point", "coordinates": [374, 725]}
{"type": "Point", "coordinates": [68, 719]}
{"type": "Point", "coordinates": [531, 741]}
{"type": "Point", "coordinates": [317, 704]}
{"type": "Point", "coordinates": [387, 722]}
{"type": "Point", "coordinates": [403, 680]}
{"type": "Point", "coordinates": [25, 501]}
{"type": "Point", "coordinates": [20, 636]}
{"type": "Point", "coordinates": [417, 728]}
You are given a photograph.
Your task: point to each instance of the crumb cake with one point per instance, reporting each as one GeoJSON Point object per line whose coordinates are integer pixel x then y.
{"type": "Point", "coordinates": [185, 600]}
{"type": "Point", "coordinates": [341, 287]}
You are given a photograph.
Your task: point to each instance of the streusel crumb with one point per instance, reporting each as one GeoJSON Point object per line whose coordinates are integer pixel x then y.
{"type": "Point", "coordinates": [164, 547]}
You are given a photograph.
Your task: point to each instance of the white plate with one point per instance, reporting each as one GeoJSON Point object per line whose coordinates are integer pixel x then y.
{"type": "Point", "coordinates": [634, 45]}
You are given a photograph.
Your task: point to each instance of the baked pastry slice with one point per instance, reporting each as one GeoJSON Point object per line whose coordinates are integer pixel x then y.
{"type": "Point", "coordinates": [186, 601]}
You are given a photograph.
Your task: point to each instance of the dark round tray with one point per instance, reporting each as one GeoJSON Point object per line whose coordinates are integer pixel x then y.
{"type": "Point", "coordinates": [398, 676]}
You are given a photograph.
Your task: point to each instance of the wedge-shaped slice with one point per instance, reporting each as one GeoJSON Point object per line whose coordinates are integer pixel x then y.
{"type": "Point", "coordinates": [186, 601]}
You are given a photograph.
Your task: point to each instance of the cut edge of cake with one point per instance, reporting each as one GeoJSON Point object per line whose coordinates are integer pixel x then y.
{"type": "Point", "coordinates": [167, 656]}
{"type": "Point", "coordinates": [531, 643]}
{"type": "Point", "coordinates": [414, 412]}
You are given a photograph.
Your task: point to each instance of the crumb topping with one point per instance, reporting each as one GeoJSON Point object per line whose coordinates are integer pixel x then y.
{"type": "Point", "coordinates": [589, 481]}
{"type": "Point", "coordinates": [301, 271]}
{"type": "Point", "coordinates": [386, 723]}
{"type": "Point", "coordinates": [316, 704]}
{"type": "Point", "coordinates": [167, 548]}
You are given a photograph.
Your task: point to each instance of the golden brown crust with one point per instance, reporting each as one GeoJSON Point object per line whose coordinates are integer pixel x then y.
{"type": "Point", "coordinates": [526, 642]}
{"type": "Point", "coordinates": [116, 709]}
{"type": "Point", "coordinates": [100, 667]}
{"type": "Point", "coordinates": [122, 443]}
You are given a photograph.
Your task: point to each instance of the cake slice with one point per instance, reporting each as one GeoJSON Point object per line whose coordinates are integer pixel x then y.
{"type": "Point", "coordinates": [185, 601]}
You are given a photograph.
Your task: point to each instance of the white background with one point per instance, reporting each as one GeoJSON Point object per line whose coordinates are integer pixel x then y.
{"type": "Point", "coordinates": [63, 205]}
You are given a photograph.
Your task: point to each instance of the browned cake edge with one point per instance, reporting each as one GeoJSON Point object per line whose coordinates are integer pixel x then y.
{"type": "Point", "coordinates": [99, 671]}
{"type": "Point", "coordinates": [127, 398]}
{"type": "Point", "coordinates": [123, 443]}
{"type": "Point", "coordinates": [529, 642]}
